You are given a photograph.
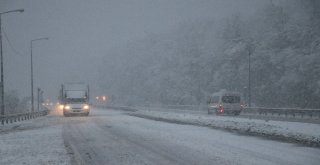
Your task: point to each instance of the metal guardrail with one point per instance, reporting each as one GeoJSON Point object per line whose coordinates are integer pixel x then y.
{"type": "Point", "coordinates": [21, 117]}
{"type": "Point", "coordinates": [118, 107]}
{"type": "Point", "coordinates": [286, 112]}
{"type": "Point", "coordinates": [254, 111]}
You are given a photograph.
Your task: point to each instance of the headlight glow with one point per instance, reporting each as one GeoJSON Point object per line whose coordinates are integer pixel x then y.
{"type": "Point", "coordinates": [67, 107]}
{"type": "Point", "coordinates": [86, 107]}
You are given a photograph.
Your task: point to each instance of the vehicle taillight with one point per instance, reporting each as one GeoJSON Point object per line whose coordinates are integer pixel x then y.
{"type": "Point", "coordinates": [221, 108]}
{"type": "Point", "coordinates": [242, 106]}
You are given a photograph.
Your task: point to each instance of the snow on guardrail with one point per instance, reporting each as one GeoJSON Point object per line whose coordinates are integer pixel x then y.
{"type": "Point", "coordinates": [6, 119]}
{"type": "Point", "coordinates": [298, 132]}
{"type": "Point", "coordinates": [286, 112]}
{"type": "Point", "coordinates": [254, 111]}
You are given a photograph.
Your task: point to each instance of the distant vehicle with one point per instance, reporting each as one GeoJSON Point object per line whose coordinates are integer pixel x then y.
{"type": "Point", "coordinates": [74, 99]}
{"type": "Point", "coordinates": [225, 102]}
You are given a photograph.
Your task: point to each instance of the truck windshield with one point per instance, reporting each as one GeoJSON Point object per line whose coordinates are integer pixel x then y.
{"type": "Point", "coordinates": [76, 94]}
{"type": "Point", "coordinates": [76, 100]}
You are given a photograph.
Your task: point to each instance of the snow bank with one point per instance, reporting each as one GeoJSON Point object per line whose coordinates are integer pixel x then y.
{"type": "Point", "coordinates": [304, 133]}
{"type": "Point", "coordinates": [40, 145]}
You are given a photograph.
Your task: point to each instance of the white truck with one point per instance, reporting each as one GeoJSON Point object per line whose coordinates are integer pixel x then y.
{"type": "Point", "coordinates": [74, 98]}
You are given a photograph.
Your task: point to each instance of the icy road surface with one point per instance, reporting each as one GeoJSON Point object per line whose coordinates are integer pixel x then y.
{"type": "Point", "coordinates": [112, 137]}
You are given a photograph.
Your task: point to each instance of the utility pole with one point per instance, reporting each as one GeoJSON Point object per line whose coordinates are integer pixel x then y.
{"type": "Point", "coordinates": [249, 80]}
{"type": "Point", "coordinates": [1, 58]}
{"type": "Point", "coordinates": [32, 106]}
{"type": "Point", "coordinates": [41, 99]}
{"type": "Point", "coordinates": [38, 99]}
{"type": "Point", "coordinates": [250, 48]}
{"type": "Point", "coordinates": [1, 85]}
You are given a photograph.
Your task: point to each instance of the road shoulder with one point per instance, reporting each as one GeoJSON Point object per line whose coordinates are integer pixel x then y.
{"type": "Point", "coordinates": [293, 132]}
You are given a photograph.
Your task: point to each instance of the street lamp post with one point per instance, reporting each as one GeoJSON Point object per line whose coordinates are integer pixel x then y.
{"type": "Point", "coordinates": [38, 99]}
{"type": "Point", "coordinates": [250, 49]}
{"type": "Point", "coordinates": [245, 94]}
{"type": "Point", "coordinates": [1, 58]}
{"type": "Point", "coordinates": [249, 80]}
{"type": "Point", "coordinates": [31, 46]}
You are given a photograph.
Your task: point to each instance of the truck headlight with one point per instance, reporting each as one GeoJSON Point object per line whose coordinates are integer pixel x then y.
{"type": "Point", "coordinates": [67, 107]}
{"type": "Point", "coordinates": [86, 107]}
{"type": "Point", "coordinates": [61, 106]}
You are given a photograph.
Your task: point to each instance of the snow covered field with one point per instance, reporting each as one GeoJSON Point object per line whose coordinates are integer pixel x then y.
{"type": "Point", "coordinates": [304, 133]}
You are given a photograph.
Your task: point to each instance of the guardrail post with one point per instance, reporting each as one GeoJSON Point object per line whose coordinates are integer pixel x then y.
{"type": "Point", "coordinates": [20, 117]}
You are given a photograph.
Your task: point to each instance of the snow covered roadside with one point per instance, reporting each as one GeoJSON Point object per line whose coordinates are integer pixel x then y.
{"type": "Point", "coordinates": [304, 133]}
{"type": "Point", "coordinates": [34, 141]}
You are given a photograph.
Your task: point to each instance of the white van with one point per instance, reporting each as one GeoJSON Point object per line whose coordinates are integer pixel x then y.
{"type": "Point", "coordinates": [225, 102]}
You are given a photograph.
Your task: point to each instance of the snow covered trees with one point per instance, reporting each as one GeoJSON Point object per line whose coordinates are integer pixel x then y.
{"type": "Point", "coordinates": [204, 56]}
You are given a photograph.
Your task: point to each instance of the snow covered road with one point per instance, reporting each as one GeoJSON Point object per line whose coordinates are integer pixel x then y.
{"type": "Point", "coordinates": [112, 137]}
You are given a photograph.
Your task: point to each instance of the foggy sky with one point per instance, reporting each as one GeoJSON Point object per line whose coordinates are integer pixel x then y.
{"type": "Point", "coordinates": [82, 31]}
